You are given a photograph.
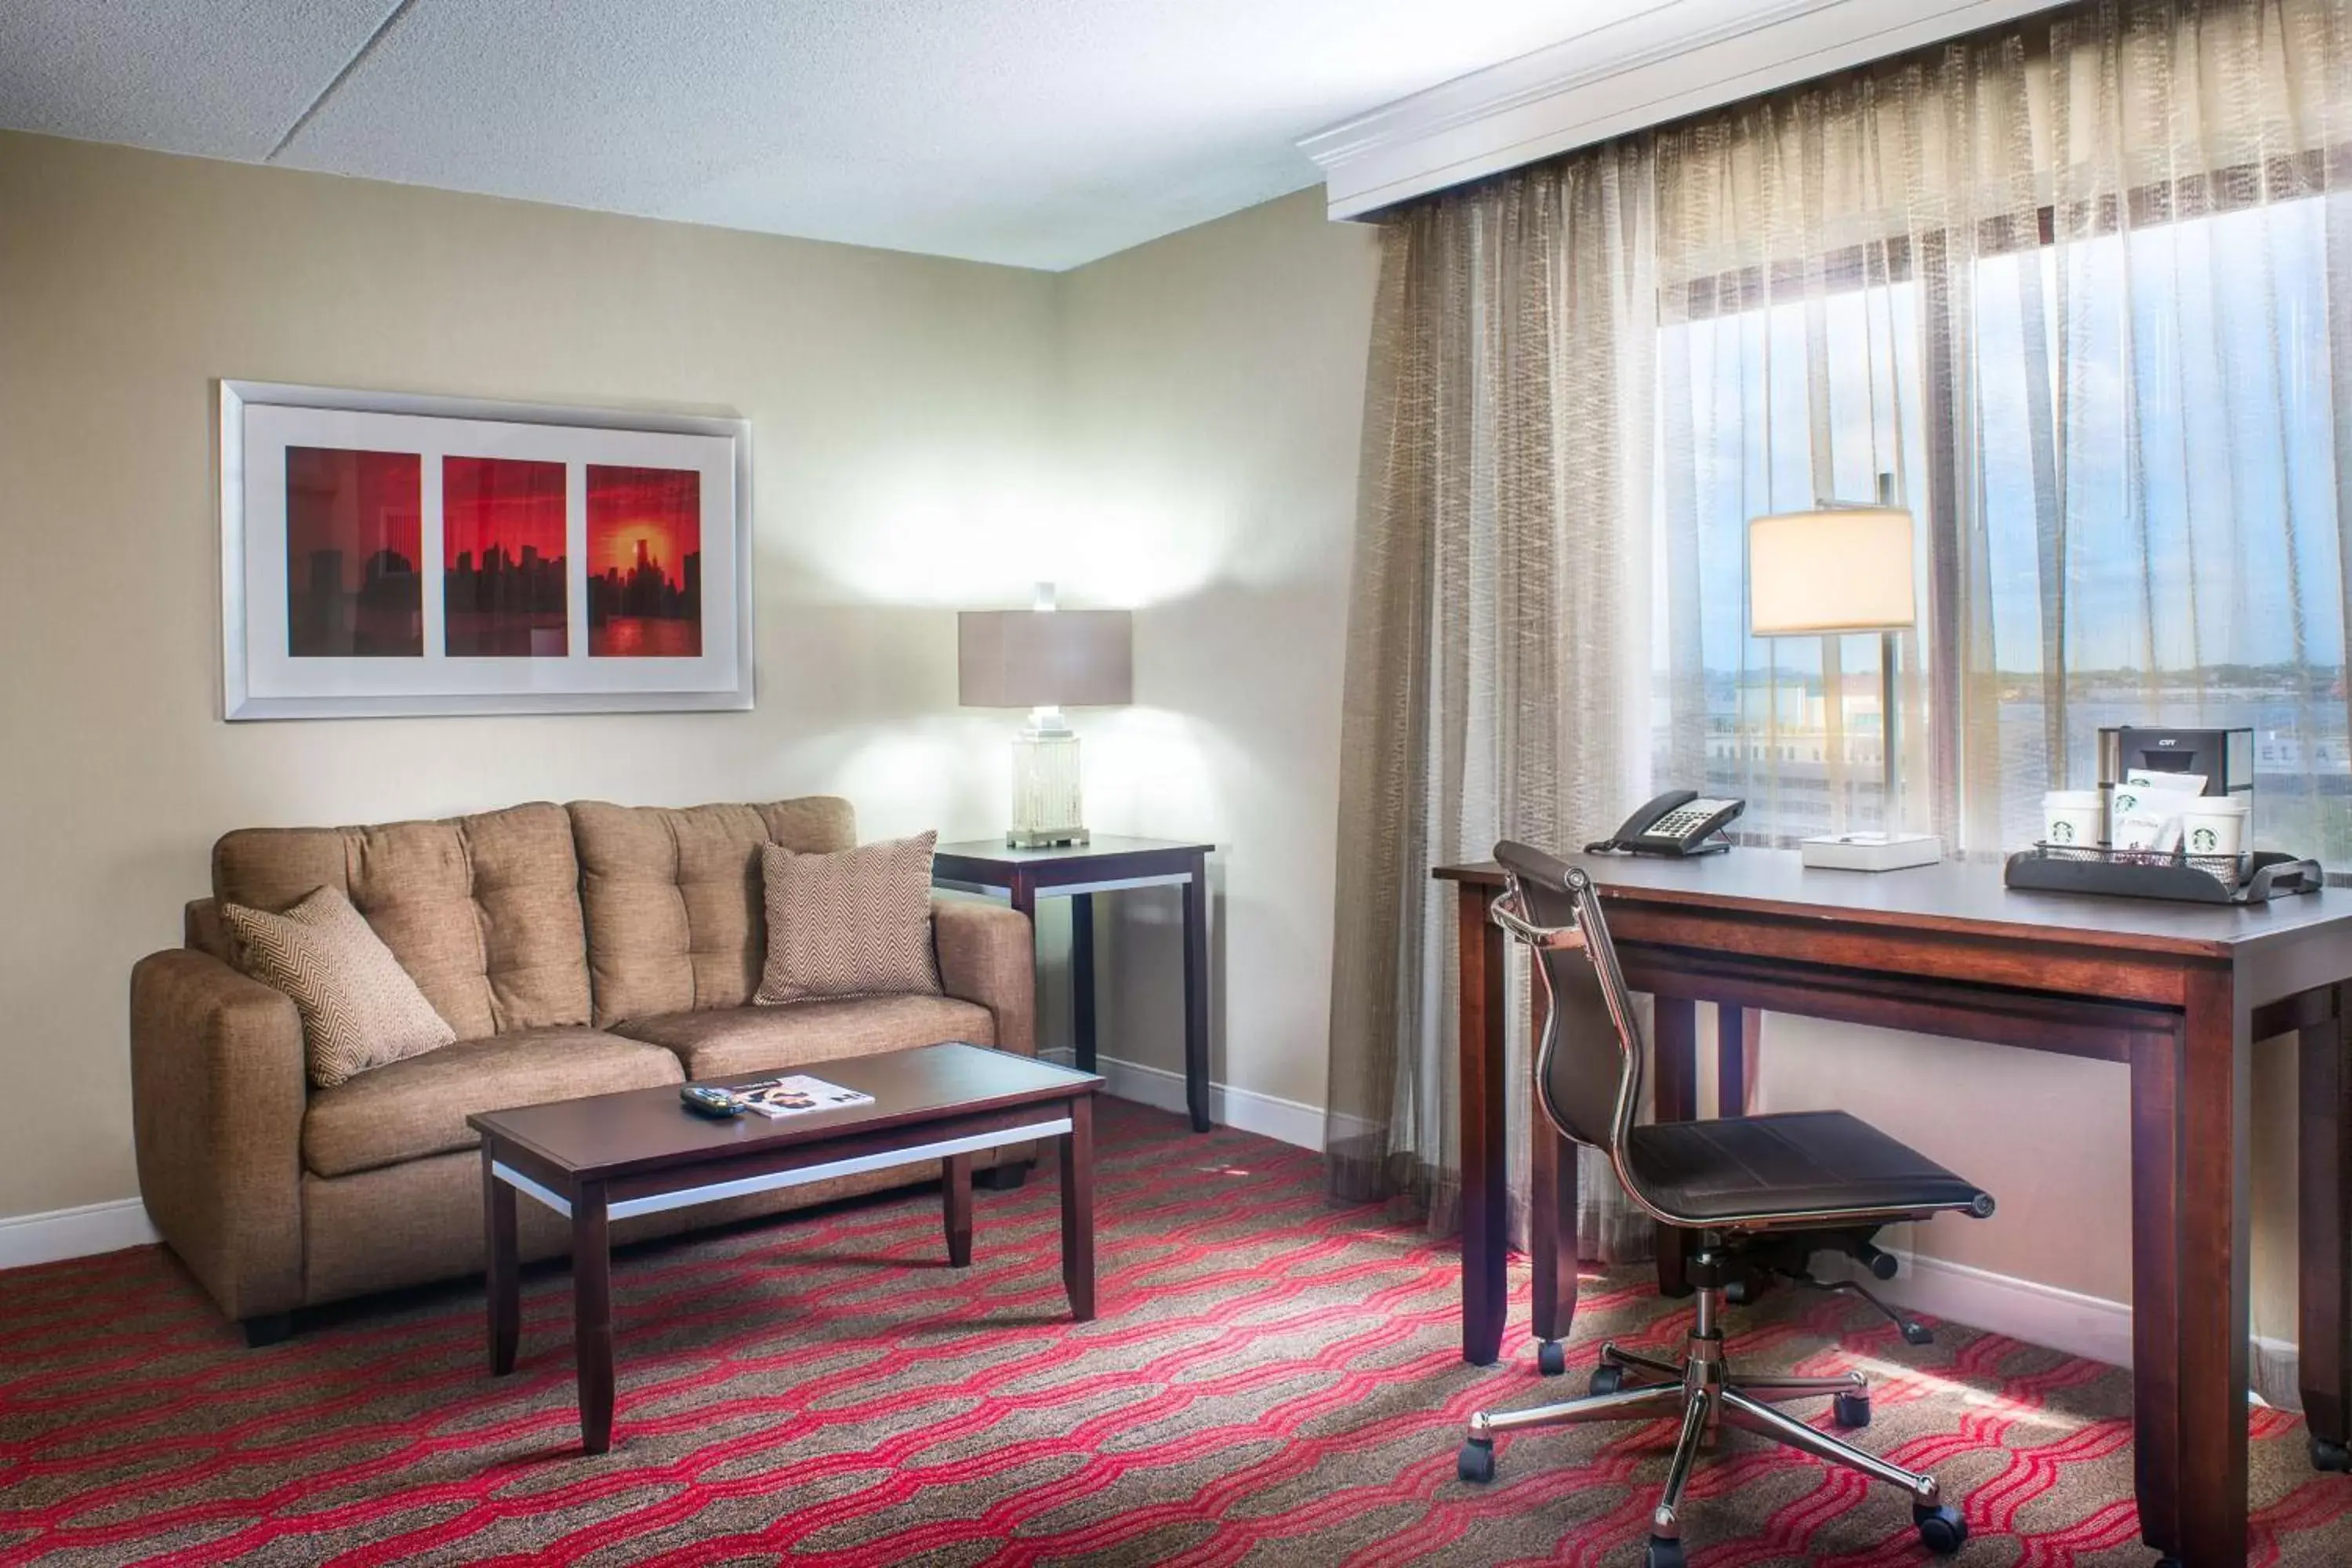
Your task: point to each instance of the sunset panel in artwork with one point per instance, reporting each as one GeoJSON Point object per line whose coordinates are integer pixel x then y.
{"type": "Point", "coordinates": [644, 563]}
{"type": "Point", "coordinates": [503, 557]}
{"type": "Point", "coordinates": [354, 540]}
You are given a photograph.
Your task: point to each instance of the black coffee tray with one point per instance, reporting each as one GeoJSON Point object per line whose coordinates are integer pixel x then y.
{"type": "Point", "coordinates": [2254, 878]}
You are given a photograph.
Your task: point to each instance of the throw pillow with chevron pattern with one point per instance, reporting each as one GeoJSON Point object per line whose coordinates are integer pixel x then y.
{"type": "Point", "coordinates": [359, 1007]}
{"type": "Point", "coordinates": [853, 924]}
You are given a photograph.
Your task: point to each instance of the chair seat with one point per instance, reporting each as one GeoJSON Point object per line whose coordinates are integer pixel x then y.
{"type": "Point", "coordinates": [1762, 1169]}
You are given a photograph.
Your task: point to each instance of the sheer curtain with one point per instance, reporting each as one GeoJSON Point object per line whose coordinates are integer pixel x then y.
{"type": "Point", "coordinates": [2078, 288]}
{"type": "Point", "coordinates": [1495, 627]}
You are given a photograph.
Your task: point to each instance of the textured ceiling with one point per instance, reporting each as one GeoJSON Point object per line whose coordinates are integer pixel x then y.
{"type": "Point", "coordinates": [1038, 132]}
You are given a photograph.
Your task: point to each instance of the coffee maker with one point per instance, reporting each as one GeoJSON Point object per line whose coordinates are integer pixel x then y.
{"type": "Point", "coordinates": [2224, 757]}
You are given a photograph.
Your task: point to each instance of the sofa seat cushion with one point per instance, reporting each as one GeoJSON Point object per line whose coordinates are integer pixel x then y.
{"type": "Point", "coordinates": [730, 1042]}
{"type": "Point", "coordinates": [418, 1107]}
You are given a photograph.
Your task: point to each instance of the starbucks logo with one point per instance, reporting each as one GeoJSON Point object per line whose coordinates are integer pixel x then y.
{"type": "Point", "coordinates": [2204, 841]}
{"type": "Point", "coordinates": [2125, 802]}
{"type": "Point", "coordinates": [2061, 831]}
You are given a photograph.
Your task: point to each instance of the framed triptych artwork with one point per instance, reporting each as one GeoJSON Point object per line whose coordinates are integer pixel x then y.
{"type": "Point", "coordinates": [385, 554]}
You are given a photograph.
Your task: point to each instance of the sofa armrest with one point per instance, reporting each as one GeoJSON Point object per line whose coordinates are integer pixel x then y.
{"type": "Point", "coordinates": [217, 1093]}
{"type": "Point", "coordinates": [989, 955]}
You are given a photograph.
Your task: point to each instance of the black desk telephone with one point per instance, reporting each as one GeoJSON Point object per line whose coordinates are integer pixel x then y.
{"type": "Point", "coordinates": [1679, 822]}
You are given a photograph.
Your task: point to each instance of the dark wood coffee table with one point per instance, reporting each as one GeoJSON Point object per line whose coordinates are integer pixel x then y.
{"type": "Point", "coordinates": [612, 1156]}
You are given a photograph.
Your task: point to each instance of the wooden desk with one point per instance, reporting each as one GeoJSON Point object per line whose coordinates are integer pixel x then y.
{"type": "Point", "coordinates": [2178, 991]}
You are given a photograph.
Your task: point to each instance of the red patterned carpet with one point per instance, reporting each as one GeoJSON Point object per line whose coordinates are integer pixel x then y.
{"type": "Point", "coordinates": [1272, 1381]}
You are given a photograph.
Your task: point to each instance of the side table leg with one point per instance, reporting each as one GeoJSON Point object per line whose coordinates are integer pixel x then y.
{"type": "Point", "coordinates": [955, 1185]}
{"type": "Point", "coordinates": [1078, 1208]}
{"type": "Point", "coordinates": [591, 1315]}
{"type": "Point", "coordinates": [1082, 979]}
{"type": "Point", "coordinates": [502, 1276]}
{"type": "Point", "coordinates": [1196, 993]}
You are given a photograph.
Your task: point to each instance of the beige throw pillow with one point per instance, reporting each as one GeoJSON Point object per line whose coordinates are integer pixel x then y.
{"type": "Point", "coordinates": [853, 924]}
{"type": "Point", "coordinates": [359, 1007]}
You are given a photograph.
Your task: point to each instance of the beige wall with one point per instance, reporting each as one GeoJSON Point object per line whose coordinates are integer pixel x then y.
{"type": "Point", "coordinates": [1214, 385]}
{"type": "Point", "coordinates": [901, 410]}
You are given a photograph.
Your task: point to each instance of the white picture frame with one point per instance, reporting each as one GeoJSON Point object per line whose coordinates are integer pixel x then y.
{"type": "Point", "coordinates": [317, 648]}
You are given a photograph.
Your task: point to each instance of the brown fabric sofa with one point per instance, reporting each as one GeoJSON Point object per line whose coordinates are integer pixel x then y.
{"type": "Point", "coordinates": [576, 949]}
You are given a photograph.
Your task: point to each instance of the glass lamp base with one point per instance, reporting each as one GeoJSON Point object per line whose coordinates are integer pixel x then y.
{"type": "Point", "coordinates": [1045, 798]}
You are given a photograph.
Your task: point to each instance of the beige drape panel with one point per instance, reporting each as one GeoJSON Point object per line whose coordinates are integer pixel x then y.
{"type": "Point", "coordinates": [2079, 285]}
{"type": "Point", "coordinates": [1496, 593]}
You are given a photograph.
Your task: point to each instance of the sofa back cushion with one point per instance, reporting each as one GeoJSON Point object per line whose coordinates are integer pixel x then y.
{"type": "Point", "coordinates": [482, 911]}
{"type": "Point", "coordinates": [674, 906]}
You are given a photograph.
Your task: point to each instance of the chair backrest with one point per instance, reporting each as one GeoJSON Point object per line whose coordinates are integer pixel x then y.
{"type": "Point", "coordinates": [1589, 1062]}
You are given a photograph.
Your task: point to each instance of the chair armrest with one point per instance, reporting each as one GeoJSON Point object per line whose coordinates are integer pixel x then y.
{"type": "Point", "coordinates": [217, 1093]}
{"type": "Point", "coordinates": [989, 955]}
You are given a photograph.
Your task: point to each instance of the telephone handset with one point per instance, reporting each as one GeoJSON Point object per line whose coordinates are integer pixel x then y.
{"type": "Point", "coordinates": [1679, 822]}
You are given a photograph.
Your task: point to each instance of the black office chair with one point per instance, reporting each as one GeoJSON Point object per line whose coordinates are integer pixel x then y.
{"type": "Point", "coordinates": [1764, 1193]}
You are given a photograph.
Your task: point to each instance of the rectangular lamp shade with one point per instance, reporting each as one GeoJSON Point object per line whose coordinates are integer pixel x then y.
{"type": "Point", "coordinates": [1045, 659]}
{"type": "Point", "coordinates": [1843, 569]}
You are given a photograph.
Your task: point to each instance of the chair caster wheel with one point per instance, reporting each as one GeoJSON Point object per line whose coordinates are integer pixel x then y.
{"type": "Point", "coordinates": [1941, 1530]}
{"type": "Point", "coordinates": [1850, 1409]}
{"type": "Point", "coordinates": [1552, 1358]}
{"type": "Point", "coordinates": [2327, 1456]}
{"type": "Point", "coordinates": [1476, 1462]}
{"type": "Point", "coordinates": [1663, 1554]}
{"type": "Point", "coordinates": [1606, 1380]}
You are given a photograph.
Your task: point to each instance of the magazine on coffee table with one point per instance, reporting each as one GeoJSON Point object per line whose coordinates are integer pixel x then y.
{"type": "Point", "coordinates": [797, 1096]}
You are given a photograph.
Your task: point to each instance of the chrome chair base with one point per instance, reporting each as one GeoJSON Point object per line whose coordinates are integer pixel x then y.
{"type": "Point", "coordinates": [1703, 1392]}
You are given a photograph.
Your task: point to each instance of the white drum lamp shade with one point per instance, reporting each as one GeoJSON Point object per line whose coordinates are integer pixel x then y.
{"type": "Point", "coordinates": [1842, 569]}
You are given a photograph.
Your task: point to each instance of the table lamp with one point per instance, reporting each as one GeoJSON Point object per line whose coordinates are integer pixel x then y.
{"type": "Point", "coordinates": [1045, 659]}
{"type": "Point", "coordinates": [1845, 567]}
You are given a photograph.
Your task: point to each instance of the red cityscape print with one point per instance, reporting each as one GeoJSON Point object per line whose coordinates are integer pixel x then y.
{"type": "Point", "coordinates": [644, 563]}
{"type": "Point", "coordinates": [503, 558]}
{"type": "Point", "coordinates": [354, 536]}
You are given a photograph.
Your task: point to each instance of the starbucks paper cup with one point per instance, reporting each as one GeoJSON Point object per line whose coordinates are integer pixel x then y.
{"type": "Point", "coordinates": [2074, 818]}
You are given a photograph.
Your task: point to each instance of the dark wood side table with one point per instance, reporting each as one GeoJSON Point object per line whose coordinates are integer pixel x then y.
{"type": "Point", "coordinates": [1077, 872]}
{"type": "Point", "coordinates": [2178, 993]}
{"type": "Point", "coordinates": [612, 1156]}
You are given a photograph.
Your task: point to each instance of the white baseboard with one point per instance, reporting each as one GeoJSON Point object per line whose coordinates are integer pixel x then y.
{"type": "Point", "coordinates": [1268, 1116]}
{"type": "Point", "coordinates": [29, 1238]}
{"type": "Point", "coordinates": [2088, 1326]}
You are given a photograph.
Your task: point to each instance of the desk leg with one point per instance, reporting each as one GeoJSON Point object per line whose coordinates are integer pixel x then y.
{"type": "Point", "coordinates": [2323, 1232]}
{"type": "Point", "coordinates": [502, 1273]}
{"type": "Point", "coordinates": [1485, 1284]}
{"type": "Point", "coordinates": [1731, 1047]}
{"type": "Point", "coordinates": [1082, 978]}
{"type": "Point", "coordinates": [2155, 1083]}
{"type": "Point", "coordinates": [1551, 1220]}
{"type": "Point", "coordinates": [1196, 993]}
{"type": "Point", "coordinates": [1078, 1208]}
{"type": "Point", "coordinates": [1674, 1098]}
{"type": "Point", "coordinates": [2211, 1295]}
{"type": "Point", "coordinates": [592, 1316]}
